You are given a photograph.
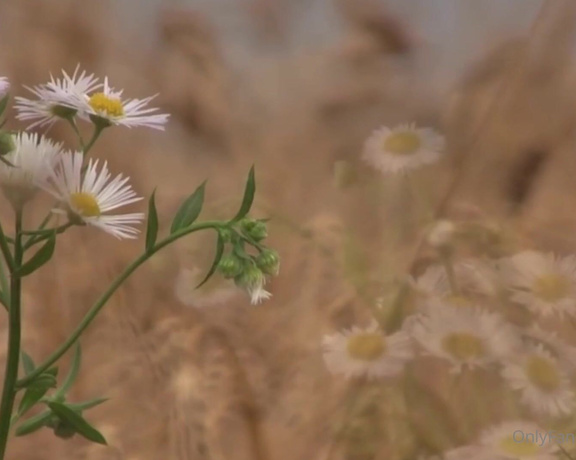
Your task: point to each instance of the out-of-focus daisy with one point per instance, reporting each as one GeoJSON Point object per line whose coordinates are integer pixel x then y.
{"type": "Point", "coordinates": [216, 291]}
{"type": "Point", "coordinates": [544, 386]}
{"type": "Point", "coordinates": [59, 98]}
{"type": "Point", "coordinates": [367, 352]}
{"type": "Point", "coordinates": [564, 352]}
{"type": "Point", "coordinates": [33, 159]}
{"type": "Point", "coordinates": [515, 440]}
{"type": "Point", "coordinates": [4, 86]}
{"type": "Point", "coordinates": [544, 283]}
{"type": "Point", "coordinates": [87, 198]}
{"type": "Point", "coordinates": [402, 148]}
{"type": "Point", "coordinates": [108, 107]}
{"type": "Point", "coordinates": [465, 337]}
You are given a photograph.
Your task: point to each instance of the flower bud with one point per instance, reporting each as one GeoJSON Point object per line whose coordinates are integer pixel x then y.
{"type": "Point", "coordinates": [269, 262]}
{"type": "Point", "coordinates": [230, 266]}
{"type": "Point", "coordinates": [7, 143]}
{"type": "Point", "coordinates": [64, 430]}
{"type": "Point", "coordinates": [226, 234]}
{"type": "Point", "coordinates": [250, 278]}
{"type": "Point", "coordinates": [254, 229]}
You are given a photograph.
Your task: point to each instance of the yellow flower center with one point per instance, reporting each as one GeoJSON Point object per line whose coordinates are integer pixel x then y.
{"type": "Point", "coordinates": [519, 448]}
{"type": "Point", "coordinates": [458, 301]}
{"type": "Point", "coordinates": [463, 346]}
{"type": "Point", "coordinates": [401, 143]}
{"type": "Point", "coordinates": [543, 373]}
{"type": "Point", "coordinates": [552, 287]}
{"type": "Point", "coordinates": [367, 346]}
{"type": "Point", "coordinates": [106, 105]}
{"type": "Point", "coordinates": [85, 204]}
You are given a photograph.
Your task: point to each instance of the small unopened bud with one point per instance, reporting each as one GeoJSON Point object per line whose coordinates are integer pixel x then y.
{"type": "Point", "coordinates": [64, 430]}
{"type": "Point", "coordinates": [269, 262]}
{"type": "Point", "coordinates": [254, 229]}
{"type": "Point", "coordinates": [441, 234]}
{"type": "Point", "coordinates": [230, 266]}
{"type": "Point", "coordinates": [250, 278]}
{"type": "Point", "coordinates": [226, 234]}
{"type": "Point", "coordinates": [7, 143]}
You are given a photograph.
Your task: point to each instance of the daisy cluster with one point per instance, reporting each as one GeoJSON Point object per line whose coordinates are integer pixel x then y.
{"type": "Point", "coordinates": [84, 188]}
{"type": "Point", "coordinates": [486, 315]}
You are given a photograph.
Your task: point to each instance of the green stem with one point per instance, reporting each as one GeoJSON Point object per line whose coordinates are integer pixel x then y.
{"type": "Point", "coordinates": [14, 334]}
{"type": "Point", "coordinates": [41, 235]}
{"type": "Point", "coordinates": [6, 250]}
{"type": "Point", "coordinates": [89, 317]}
{"type": "Point", "coordinates": [72, 122]}
{"type": "Point", "coordinates": [95, 135]}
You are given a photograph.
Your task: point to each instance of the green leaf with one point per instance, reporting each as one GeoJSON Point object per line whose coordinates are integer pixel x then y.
{"type": "Point", "coordinates": [152, 227]}
{"type": "Point", "coordinates": [81, 426]}
{"type": "Point", "coordinates": [33, 423]}
{"type": "Point", "coordinates": [3, 104]}
{"type": "Point", "coordinates": [32, 395]}
{"type": "Point", "coordinates": [73, 373]}
{"type": "Point", "coordinates": [217, 257]}
{"type": "Point", "coordinates": [27, 363]}
{"type": "Point", "coordinates": [248, 199]}
{"type": "Point", "coordinates": [40, 258]}
{"type": "Point", "coordinates": [87, 404]}
{"type": "Point", "coordinates": [189, 210]}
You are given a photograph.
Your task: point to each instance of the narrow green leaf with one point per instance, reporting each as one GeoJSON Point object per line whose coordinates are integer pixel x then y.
{"type": "Point", "coordinates": [87, 404]}
{"type": "Point", "coordinates": [40, 258]}
{"type": "Point", "coordinates": [217, 257]}
{"type": "Point", "coordinates": [33, 423]}
{"type": "Point", "coordinates": [43, 381]}
{"type": "Point", "coordinates": [152, 227]}
{"type": "Point", "coordinates": [189, 210]}
{"type": "Point", "coordinates": [248, 199]}
{"type": "Point", "coordinates": [32, 395]}
{"type": "Point", "coordinates": [3, 104]}
{"type": "Point", "coordinates": [27, 363]}
{"type": "Point", "coordinates": [73, 373]}
{"type": "Point", "coordinates": [81, 426]}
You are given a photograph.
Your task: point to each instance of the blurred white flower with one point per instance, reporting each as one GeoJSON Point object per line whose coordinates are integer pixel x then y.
{"type": "Point", "coordinates": [88, 197]}
{"type": "Point", "coordinates": [33, 158]}
{"type": "Point", "coordinates": [467, 337]}
{"type": "Point", "coordinates": [562, 351]}
{"type": "Point", "coordinates": [107, 107]}
{"type": "Point", "coordinates": [402, 148]}
{"type": "Point", "coordinates": [359, 352]}
{"type": "Point", "coordinates": [545, 387]}
{"type": "Point", "coordinates": [59, 98]}
{"type": "Point", "coordinates": [515, 440]}
{"type": "Point", "coordinates": [544, 283]}
{"type": "Point", "coordinates": [4, 86]}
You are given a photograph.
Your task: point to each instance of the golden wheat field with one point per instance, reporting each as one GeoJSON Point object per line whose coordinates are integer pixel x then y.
{"type": "Point", "coordinates": [203, 374]}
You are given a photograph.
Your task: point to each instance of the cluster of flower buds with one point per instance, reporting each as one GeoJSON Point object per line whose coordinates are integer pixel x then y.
{"type": "Point", "coordinates": [250, 271]}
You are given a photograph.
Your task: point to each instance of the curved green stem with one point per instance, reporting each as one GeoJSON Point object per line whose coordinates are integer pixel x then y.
{"type": "Point", "coordinates": [95, 135]}
{"type": "Point", "coordinates": [41, 235]}
{"type": "Point", "coordinates": [14, 336]}
{"type": "Point", "coordinates": [72, 122]}
{"type": "Point", "coordinates": [89, 317]}
{"type": "Point", "coordinates": [6, 250]}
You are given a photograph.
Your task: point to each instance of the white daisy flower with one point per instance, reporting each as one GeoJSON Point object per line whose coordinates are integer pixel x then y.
{"type": "Point", "coordinates": [544, 283]}
{"type": "Point", "coordinates": [515, 440]}
{"type": "Point", "coordinates": [544, 386]}
{"type": "Point", "coordinates": [551, 342]}
{"type": "Point", "coordinates": [210, 294]}
{"type": "Point", "coordinates": [402, 148]}
{"type": "Point", "coordinates": [88, 197]}
{"type": "Point", "coordinates": [33, 159]}
{"type": "Point", "coordinates": [59, 98]}
{"type": "Point", "coordinates": [359, 352]}
{"type": "Point", "coordinates": [465, 337]}
{"type": "Point", "coordinates": [107, 107]}
{"type": "Point", "coordinates": [4, 86]}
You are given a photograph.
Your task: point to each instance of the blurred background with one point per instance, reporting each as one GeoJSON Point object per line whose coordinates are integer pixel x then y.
{"type": "Point", "coordinates": [294, 87]}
